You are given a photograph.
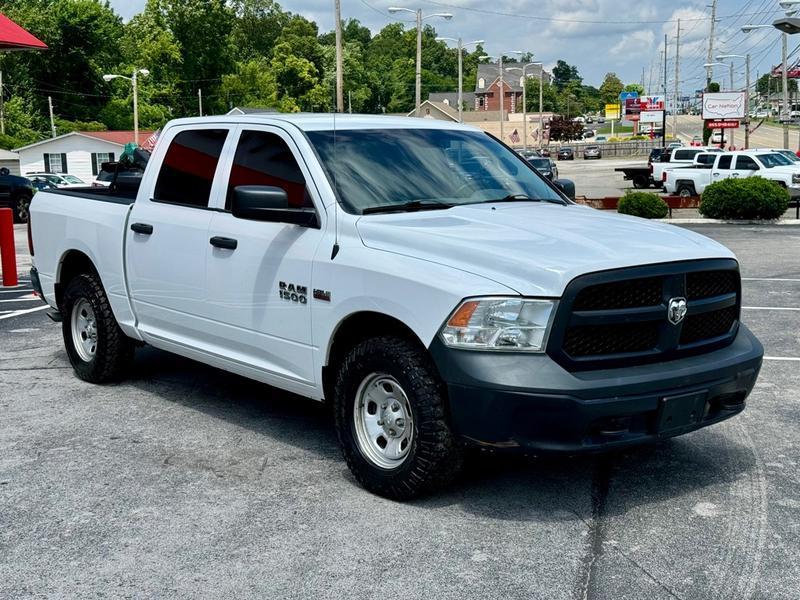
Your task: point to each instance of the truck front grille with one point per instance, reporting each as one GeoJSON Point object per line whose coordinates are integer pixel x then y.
{"type": "Point", "coordinates": [620, 317]}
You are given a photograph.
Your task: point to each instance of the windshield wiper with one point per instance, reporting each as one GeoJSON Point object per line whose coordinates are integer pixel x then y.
{"type": "Point", "coordinates": [513, 198]}
{"type": "Point", "coordinates": [410, 206]}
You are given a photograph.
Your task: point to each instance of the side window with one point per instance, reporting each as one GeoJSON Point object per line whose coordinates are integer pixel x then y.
{"type": "Point", "coordinates": [264, 158]}
{"type": "Point", "coordinates": [725, 162]}
{"type": "Point", "coordinates": [746, 163]}
{"type": "Point", "coordinates": [189, 165]}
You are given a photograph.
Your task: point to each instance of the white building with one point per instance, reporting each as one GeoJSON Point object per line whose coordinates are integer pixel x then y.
{"type": "Point", "coordinates": [10, 161]}
{"type": "Point", "coordinates": [79, 153]}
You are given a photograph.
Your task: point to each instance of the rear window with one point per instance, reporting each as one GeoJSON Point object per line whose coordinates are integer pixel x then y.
{"type": "Point", "coordinates": [684, 154]}
{"type": "Point", "coordinates": [540, 163]}
{"type": "Point", "coordinates": [188, 170]}
{"type": "Point", "coordinates": [725, 162]}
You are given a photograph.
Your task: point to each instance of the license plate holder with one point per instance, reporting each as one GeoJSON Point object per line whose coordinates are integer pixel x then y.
{"type": "Point", "coordinates": [680, 413]}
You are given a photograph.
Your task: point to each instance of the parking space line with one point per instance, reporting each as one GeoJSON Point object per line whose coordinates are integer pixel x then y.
{"type": "Point", "coordinates": [769, 279]}
{"type": "Point", "coordinates": [790, 308]}
{"type": "Point", "coordinates": [783, 358]}
{"type": "Point", "coordinates": [22, 299]}
{"type": "Point", "coordinates": [18, 313]}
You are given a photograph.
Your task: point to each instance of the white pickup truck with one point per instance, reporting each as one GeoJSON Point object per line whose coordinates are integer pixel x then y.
{"type": "Point", "coordinates": [769, 165]}
{"type": "Point", "coordinates": [418, 275]}
{"type": "Point", "coordinates": [679, 157]}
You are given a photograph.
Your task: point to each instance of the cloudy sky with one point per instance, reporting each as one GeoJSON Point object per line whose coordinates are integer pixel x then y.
{"type": "Point", "coordinates": [596, 35]}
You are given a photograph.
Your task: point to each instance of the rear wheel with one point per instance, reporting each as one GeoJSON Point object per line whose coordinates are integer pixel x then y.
{"type": "Point", "coordinates": [640, 182]}
{"type": "Point", "coordinates": [97, 348]}
{"type": "Point", "coordinates": [686, 190]}
{"type": "Point", "coordinates": [391, 419]}
{"type": "Point", "coordinates": [22, 208]}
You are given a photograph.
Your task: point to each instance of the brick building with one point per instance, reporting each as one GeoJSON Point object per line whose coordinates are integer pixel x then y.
{"type": "Point", "coordinates": [487, 86]}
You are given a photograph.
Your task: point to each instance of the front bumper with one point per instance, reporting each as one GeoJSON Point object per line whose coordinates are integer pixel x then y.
{"type": "Point", "coordinates": [529, 402]}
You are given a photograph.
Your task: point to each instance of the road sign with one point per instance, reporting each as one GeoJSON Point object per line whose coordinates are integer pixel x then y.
{"type": "Point", "coordinates": [612, 111]}
{"type": "Point", "coordinates": [723, 124]}
{"type": "Point", "coordinates": [633, 107]}
{"type": "Point", "coordinates": [623, 96]}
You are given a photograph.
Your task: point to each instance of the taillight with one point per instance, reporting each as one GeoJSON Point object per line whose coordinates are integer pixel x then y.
{"type": "Point", "coordinates": [651, 168]}
{"type": "Point", "coordinates": [30, 235]}
{"type": "Point", "coordinates": [664, 176]}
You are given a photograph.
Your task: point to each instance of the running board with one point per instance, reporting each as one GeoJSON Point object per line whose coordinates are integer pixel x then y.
{"type": "Point", "coordinates": [54, 315]}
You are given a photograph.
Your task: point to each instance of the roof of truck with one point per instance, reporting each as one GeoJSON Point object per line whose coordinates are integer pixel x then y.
{"type": "Point", "coordinates": [327, 121]}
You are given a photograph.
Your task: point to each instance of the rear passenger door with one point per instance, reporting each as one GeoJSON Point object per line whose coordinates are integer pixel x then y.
{"type": "Point", "coordinates": [167, 237]}
{"type": "Point", "coordinates": [723, 169]}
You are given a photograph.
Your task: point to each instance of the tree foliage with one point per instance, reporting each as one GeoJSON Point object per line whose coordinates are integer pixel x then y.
{"type": "Point", "coordinates": [563, 129]}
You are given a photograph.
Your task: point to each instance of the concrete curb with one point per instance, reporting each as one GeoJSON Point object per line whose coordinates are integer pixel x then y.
{"type": "Point", "coordinates": [724, 222]}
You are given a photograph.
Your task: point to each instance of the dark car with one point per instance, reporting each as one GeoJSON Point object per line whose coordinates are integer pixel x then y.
{"type": "Point", "coordinates": [566, 154]}
{"type": "Point", "coordinates": [545, 166]}
{"type": "Point", "coordinates": [529, 154]}
{"type": "Point", "coordinates": [544, 151]}
{"type": "Point", "coordinates": [15, 193]}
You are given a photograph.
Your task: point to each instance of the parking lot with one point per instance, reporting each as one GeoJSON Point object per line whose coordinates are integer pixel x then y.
{"type": "Point", "coordinates": [188, 481]}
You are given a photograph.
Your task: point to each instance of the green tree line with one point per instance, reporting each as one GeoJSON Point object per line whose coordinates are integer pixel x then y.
{"type": "Point", "coordinates": [247, 53]}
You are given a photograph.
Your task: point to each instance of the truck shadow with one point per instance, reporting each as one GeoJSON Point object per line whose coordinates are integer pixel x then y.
{"type": "Point", "coordinates": [548, 488]}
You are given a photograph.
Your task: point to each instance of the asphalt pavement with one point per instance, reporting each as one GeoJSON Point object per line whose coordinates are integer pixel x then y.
{"type": "Point", "coordinates": [186, 481]}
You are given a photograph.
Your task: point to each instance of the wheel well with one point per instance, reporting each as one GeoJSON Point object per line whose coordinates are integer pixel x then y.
{"type": "Point", "coordinates": [355, 329]}
{"type": "Point", "coordinates": [73, 264]}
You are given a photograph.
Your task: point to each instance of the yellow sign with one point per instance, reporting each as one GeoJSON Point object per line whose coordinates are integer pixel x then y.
{"type": "Point", "coordinates": [612, 111]}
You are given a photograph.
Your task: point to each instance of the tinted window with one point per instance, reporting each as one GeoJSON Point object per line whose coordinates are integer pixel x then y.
{"type": "Point", "coordinates": [265, 159]}
{"type": "Point", "coordinates": [746, 163]}
{"type": "Point", "coordinates": [706, 159]}
{"type": "Point", "coordinates": [725, 162]}
{"type": "Point", "coordinates": [543, 164]}
{"type": "Point", "coordinates": [685, 154]}
{"type": "Point", "coordinates": [189, 165]}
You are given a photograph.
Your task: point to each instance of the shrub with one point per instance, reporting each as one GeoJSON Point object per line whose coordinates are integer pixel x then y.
{"type": "Point", "coordinates": [643, 204]}
{"type": "Point", "coordinates": [748, 198]}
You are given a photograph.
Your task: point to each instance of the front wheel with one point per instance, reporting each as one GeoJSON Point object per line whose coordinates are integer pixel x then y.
{"type": "Point", "coordinates": [392, 421]}
{"type": "Point", "coordinates": [97, 348]}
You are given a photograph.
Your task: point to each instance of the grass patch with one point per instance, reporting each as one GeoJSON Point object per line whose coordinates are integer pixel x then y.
{"type": "Point", "coordinates": [606, 128]}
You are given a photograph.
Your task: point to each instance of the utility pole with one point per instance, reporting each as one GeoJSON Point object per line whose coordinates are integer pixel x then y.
{"type": "Point", "coordinates": [337, 9]}
{"type": "Point", "coordinates": [418, 80]}
{"type": "Point", "coordinates": [677, 82]}
{"type": "Point", "coordinates": [710, 57]}
{"type": "Point", "coordinates": [664, 114]}
{"type": "Point", "coordinates": [350, 102]}
{"type": "Point", "coordinates": [52, 120]}
{"type": "Point", "coordinates": [747, 102]}
{"type": "Point", "coordinates": [502, 98]}
{"type": "Point", "coordinates": [200, 101]}
{"type": "Point", "coordinates": [2, 110]}
{"type": "Point", "coordinates": [785, 81]}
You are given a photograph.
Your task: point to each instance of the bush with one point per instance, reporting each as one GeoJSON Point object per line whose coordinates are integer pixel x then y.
{"type": "Point", "coordinates": [643, 204]}
{"type": "Point", "coordinates": [748, 199]}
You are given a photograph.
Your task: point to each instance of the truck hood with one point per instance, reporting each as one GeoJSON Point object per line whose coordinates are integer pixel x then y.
{"type": "Point", "coordinates": [785, 170]}
{"type": "Point", "coordinates": [535, 249]}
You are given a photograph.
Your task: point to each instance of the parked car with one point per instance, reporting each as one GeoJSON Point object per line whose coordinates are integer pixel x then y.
{"type": "Point", "coordinates": [718, 138]}
{"type": "Point", "coordinates": [589, 119]}
{"type": "Point", "coordinates": [545, 151]}
{"type": "Point", "coordinates": [545, 166]}
{"type": "Point", "coordinates": [673, 145]}
{"type": "Point", "coordinates": [655, 155]}
{"type": "Point", "coordinates": [60, 180]}
{"type": "Point", "coordinates": [529, 154]}
{"type": "Point", "coordinates": [696, 141]}
{"type": "Point", "coordinates": [588, 133]}
{"type": "Point", "coordinates": [677, 157]}
{"type": "Point", "coordinates": [566, 153]}
{"type": "Point", "coordinates": [15, 193]}
{"type": "Point", "coordinates": [601, 138]}
{"type": "Point", "coordinates": [601, 120]}
{"type": "Point", "coordinates": [592, 152]}
{"type": "Point", "coordinates": [430, 311]}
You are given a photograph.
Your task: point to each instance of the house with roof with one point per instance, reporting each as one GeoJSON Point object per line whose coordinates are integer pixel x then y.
{"type": "Point", "coordinates": [79, 153]}
{"type": "Point", "coordinates": [10, 161]}
{"type": "Point", "coordinates": [436, 110]}
{"type": "Point", "coordinates": [451, 99]}
{"type": "Point", "coordinates": [487, 86]}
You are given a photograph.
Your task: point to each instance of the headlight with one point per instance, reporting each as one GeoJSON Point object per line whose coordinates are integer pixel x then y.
{"type": "Point", "coordinates": [511, 324]}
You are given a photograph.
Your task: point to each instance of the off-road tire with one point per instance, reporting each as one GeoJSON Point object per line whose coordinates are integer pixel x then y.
{"type": "Point", "coordinates": [114, 352]}
{"type": "Point", "coordinates": [22, 208]}
{"type": "Point", "coordinates": [435, 457]}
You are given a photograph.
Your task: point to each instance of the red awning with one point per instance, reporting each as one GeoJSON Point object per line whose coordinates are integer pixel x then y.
{"type": "Point", "coordinates": [14, 37]}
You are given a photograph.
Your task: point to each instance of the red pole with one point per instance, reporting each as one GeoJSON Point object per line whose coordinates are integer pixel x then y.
{"type": "Point", "coordinates": [8, 256]}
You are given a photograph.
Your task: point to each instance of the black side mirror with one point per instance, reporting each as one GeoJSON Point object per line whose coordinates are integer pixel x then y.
{"type": "Point", "coordinates": [567, 186]}
{"type": "Point", "coordinates": [269, 203]}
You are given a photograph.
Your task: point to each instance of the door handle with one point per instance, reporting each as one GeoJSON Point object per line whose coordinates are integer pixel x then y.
{"type": "Point", "coordinates": [143, 228]}
{"type": "Point", "coordinates": [223, 242]}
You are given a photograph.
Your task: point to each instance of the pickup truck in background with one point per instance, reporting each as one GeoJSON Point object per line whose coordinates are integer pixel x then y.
{"type": "Point", "coordinates": [769, 165]}
{"type": "Point", "coordinates": [680, 157]}
{"type": "Point", "coordinates": [418, 275]}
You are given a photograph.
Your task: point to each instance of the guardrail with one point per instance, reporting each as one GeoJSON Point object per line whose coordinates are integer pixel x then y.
{"type": "Point", "coordinates": [8, 255]}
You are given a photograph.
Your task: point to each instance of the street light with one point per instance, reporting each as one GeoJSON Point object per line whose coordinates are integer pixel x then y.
{"type": "Point", "coordinates": [746, 58]}
{"type": "Point", "coordinates": [134, 83]}
{"type": "Point", "coordinates": [499, 60]}
{"type": "Point", "coordinates": [525, 101]}
{"type": "Point", "coordinates": [446, 16]}
{"type": "Point", "coordinates": [461, 46]}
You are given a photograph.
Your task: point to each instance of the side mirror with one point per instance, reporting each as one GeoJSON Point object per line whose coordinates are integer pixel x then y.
{"type": "Point", "coordinates": [269, 203]}
{"type": "Point", "coordinates": [567, 186]}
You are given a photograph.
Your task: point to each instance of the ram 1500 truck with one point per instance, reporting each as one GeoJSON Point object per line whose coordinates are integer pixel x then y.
{"type": "Point", "coordinates": [420, 276]}
{"type": "Point", "coordinates": [769, 165]}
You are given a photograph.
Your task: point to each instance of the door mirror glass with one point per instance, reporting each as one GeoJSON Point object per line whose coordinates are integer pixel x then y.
{"type": "Point", "coordinates": [269, 203]}
{"type": "Point", "coordinates": [567, 186]}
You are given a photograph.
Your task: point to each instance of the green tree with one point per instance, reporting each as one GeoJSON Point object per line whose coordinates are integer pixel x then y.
{"type": "Point", "coordinates": [611, 88]}
{"type": "Point", "coordinates": [564, 74]}
{"type": "Point", "coordinates": [634, 87]}
{"type": "Point", "coordinates": [549, 96]}
{"type": "Point", "coordinates": [257, 25]}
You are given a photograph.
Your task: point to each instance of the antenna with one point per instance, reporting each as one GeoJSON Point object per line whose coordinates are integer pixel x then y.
{"type": "Point", "coordinates": [335, 249]}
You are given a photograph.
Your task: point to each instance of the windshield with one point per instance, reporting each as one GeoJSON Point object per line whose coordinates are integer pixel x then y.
{"type": "Point", "coordinates": [540, 163]}
{"type": "Point", "coordinates": [790, 156]}
{"type": "Point", "coordinates": [72, 179]}
{"type": "Point", "coordinates": [372, 168]}
{"type": "Point", "coordinates": [774, 160]}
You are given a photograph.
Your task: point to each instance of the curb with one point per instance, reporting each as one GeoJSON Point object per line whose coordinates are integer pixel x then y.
{"type": "Point", "coordinates": [726, 222]}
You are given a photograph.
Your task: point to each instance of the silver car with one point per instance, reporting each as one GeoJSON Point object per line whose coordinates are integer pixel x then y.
{"type": "Point", "coordinates": [592, 152]}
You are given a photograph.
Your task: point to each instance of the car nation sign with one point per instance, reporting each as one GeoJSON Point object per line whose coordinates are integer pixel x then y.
{"type": "Point", "coordinates": [723, 124]}
{"type": "Point", "coordinates": [723, 106]}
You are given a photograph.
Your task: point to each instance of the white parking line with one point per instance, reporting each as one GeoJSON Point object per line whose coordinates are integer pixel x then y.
{"type": "Point", "coordinates": [28, 298]}
{"type": "Point", "coordinates": [15, 290]}
{"type": "Point", "coordinates": [790, 308]}
{"type": "Point", "coordinates": [769, 279]}
{"type": "Point", "coordinates": [783, 358]}
{"type": "Point", "coordinates": [18, 313]}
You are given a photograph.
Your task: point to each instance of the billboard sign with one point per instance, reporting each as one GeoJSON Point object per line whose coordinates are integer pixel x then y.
{"type": "Point", "coordinates": [723, 124]}
{"type": "Point", "coordinates": [652, 116]}
{"type": "Point", "coordinates": [652, 102]}
{"type": "Point", "coordinates": [612, 111]}
{"type": "Point", "coordinates": [725, 105]}
{"type": "Point", "coordinates": [633, 107]}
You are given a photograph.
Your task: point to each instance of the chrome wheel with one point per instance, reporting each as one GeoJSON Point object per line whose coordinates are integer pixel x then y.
{"type": "Point", "coordinates": [685, 193]}
{"type": "Point", "coordinates": [23, 209]}
{"type": "Point", "coordinates": [84, 330]}
{"type": "Point", "coordinates": [384, 424]}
